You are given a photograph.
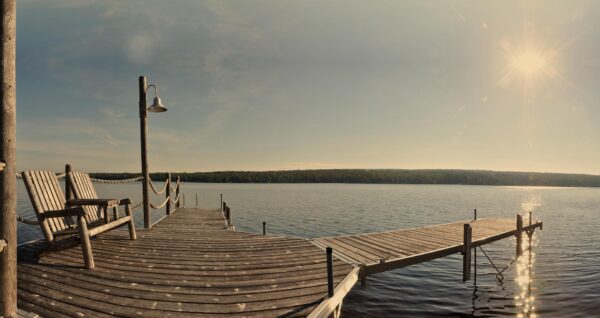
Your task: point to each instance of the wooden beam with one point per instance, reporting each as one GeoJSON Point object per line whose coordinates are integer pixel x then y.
{"type": "Point", "coordinates": [329, 305]}
{"type": "Point", "coordinates": [519, 235]}
{"type": "Point", "coordinates": [8, 182]}
{"type": "Point", "coordinates": [144, 151]}
{"type": "Point", "coordinates": [466, 250]}
{"type": "Point", "coordinates": [329, 254]}
{"type": "Point", "coordinates": [168, 193]}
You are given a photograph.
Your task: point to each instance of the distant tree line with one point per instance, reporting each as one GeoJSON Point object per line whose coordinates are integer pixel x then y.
{"type": "Point", "coordinates": [381, 176]}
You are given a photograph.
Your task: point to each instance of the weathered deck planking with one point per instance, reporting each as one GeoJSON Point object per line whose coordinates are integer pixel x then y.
{"type": "Point", "coordinates": [188, 265]}
{"type": "Point", "coordinates": [382, 251]}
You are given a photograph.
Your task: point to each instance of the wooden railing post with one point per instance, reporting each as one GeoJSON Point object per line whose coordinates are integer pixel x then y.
{"type": "Point", "coordinates": [264, 228]}
{"type": "Point", "coordinates": [168, 193]}
{"type": "Point", "coordinates": [221, 202]}
{"type": "Point", "coordinates": [228, 216]}
{"type": "Point", "coordinates": [196, 200]}
{"type": "Point", "coordinates": [68, 186]}
{"type": "Point", "coordinates": [519, 234]}
{"type": "Point", "coordinates": [467, 235]}
{"type": "Point", "coordinates": [178, 204]}
{"type": "Point", "coordinates": [8, 182]}
{"type": "Point", "coordinates": [330, 290]}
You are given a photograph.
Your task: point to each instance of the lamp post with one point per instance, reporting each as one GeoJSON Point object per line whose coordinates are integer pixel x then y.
{"type": "Point", "coordinates": [156, 107]}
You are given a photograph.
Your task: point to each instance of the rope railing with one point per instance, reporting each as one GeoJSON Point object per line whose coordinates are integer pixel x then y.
{"type": "Point", "coordinates": [176, 185]}
{"type": "Point", "coordinates": [156, 207]}
{"type": "Point", "coordinates": [134, 179]}
{"type": "Point", "coordinates": [27, 221]}
{"type": "Point", "coordinates": [156, 191]}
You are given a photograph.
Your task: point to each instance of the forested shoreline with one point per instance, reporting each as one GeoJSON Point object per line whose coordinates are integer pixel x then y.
{"type": "Point", "coordinates": [381, 176]}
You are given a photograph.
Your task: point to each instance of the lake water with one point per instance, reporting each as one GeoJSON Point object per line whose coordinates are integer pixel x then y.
{"type": "Point", "coordinates": [564, 279]}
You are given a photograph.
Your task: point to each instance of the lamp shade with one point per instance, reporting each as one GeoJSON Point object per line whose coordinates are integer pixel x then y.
{"type": "Point", "coordinates": [157, 106]}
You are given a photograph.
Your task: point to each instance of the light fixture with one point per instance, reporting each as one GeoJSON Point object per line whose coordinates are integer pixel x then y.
{"type": "Point", "coordinates": [157, 106]}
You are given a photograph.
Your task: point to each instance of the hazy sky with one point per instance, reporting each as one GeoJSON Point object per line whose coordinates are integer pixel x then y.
{"type": "Point", "coordinates": [278, 84]}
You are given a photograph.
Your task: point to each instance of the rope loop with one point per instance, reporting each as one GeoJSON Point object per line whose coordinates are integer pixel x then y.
{"type": "Point", "coordinates": [156, 191]}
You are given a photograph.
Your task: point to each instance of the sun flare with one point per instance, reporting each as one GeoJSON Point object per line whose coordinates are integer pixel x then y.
{"type": "Point", "coordinates": [528, 63]}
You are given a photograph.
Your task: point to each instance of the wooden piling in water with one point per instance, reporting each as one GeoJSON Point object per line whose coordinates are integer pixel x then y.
{"type": "Point", "coordinates": [519, 235]}
{"type": "Point", "coordinates": [467, 235]}
{"type": "Point", "coordinates": [264, 228]}
{"type": "Point", "coordinates": [8, 182]}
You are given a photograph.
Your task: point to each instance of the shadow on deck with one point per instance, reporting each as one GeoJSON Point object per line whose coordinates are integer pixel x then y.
{"type": "Point", "coordinates": [188, 265]}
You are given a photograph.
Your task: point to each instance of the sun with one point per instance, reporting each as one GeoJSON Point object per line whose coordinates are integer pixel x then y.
{"type": "Point", "coordinates": [528, 63]}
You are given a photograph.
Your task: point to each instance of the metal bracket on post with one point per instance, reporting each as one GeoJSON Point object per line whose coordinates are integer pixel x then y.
{"type": "Point", "coordinates": [467, 235]}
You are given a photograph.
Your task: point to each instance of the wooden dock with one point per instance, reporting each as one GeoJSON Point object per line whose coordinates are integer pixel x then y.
{"type": "Point", "coordinates": [191, 265]}
{"type": "Point", "coordinates": [383, 251]}
{"type": "Point", "coordinates": [188, 265]}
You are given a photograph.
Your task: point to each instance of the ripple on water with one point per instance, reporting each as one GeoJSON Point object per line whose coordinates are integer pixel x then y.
{"type": "Point", "coordinates": [565, 277]}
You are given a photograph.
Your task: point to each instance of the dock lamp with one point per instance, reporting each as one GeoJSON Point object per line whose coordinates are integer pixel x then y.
{"type": "Point", "coordinates": [156, 107]}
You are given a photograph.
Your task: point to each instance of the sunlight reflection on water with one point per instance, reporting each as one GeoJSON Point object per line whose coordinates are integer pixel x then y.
{"type": "Point", "coordinates": [563, 281]}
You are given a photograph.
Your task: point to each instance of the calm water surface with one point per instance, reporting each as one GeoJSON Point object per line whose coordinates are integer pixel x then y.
{"type": "Point", "coordinates": [563, 280]}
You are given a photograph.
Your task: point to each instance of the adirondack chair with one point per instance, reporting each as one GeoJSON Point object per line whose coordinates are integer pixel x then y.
{"type": "Point", "coordinates": [96, 209]}
{"type": "Point", "coordinates": [55, 214]}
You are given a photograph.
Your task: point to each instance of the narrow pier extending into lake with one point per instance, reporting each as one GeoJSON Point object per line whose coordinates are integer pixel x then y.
{"type": "Point", "coordinates": [191, 265]}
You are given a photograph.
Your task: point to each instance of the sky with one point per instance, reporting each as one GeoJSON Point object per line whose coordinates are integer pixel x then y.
{"type": "Point", "coordinates": [282, 84]}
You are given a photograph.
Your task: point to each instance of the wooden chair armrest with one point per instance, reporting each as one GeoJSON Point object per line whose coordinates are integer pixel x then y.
{"type": "Point", "coordinates": [97, 202]}
{"type": "Point", "coordinates": [64, 213]}
{"type": "Point", "coordinates": [124, 201]}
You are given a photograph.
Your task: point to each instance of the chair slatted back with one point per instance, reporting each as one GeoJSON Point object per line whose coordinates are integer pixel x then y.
{"type": "Point", "coordinates": [82, 187]}
{"type": "Point", "coordinates": [46, 194]}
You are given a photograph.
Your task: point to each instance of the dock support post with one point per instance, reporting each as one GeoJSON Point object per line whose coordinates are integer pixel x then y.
{"type": "Point", "coordinates": [264, 228]}
{"type": "Point", "coordinates": [221, 202]}
{"type": "Point", "coordinates": [519, 234]}
{"type": "Point", "coordinates": [8, 182]}
{"type": "Point", "coordinates": [329, 252]}
{"type": "Point", "coordinates": [196, 200]}
{"type": "Point", "coordinates": [475, 254]}
{"type": "Point", "coordinates": [228, 216]}
{"type": "Point", "coordinates": [168, 193]}
{"type": "Point", "coordinates": [178, 204]}
{"type": "Point", "coordinates": [467, 234]}
{"type": "Point", "coordinates": [363, 276]}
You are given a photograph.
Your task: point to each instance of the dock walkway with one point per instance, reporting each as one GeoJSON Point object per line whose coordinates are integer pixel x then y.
{"type": "Point", "coordinates": [191, 265]}
{"type": "Point", "coordinates": [383, 251]}
{"type": "Point", "coordinates": [188, 265]}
